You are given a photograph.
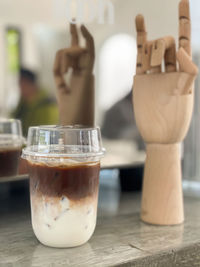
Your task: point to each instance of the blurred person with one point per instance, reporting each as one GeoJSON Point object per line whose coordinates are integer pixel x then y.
{"type": "Point", "coordinates": [119, 122]}
{"type": "Point", "coordinates": [35, 106]}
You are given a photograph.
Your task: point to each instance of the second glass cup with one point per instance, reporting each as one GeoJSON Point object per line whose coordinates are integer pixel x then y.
{"type": "Point", "coordinates": [64, 165]}
{"type": "Point", "coordinates": [11, 142]}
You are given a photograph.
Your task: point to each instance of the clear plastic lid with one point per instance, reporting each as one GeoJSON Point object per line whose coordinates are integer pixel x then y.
{"type": "Point", "coordinates": [63, 142]}
{"type": "Point", "coordinates": [10, 133]}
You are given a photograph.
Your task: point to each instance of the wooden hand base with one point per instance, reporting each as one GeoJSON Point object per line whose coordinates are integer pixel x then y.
{"type": "Point", "coordinates": [162, 199]}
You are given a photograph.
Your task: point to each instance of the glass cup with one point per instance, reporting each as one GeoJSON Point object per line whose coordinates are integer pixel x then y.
{"type": "Point", "coordinates": [64, 165]}
{"type": "Point", "coordinates": [11, 142]}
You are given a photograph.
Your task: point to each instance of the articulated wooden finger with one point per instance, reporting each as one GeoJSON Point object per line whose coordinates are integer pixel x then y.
{"type": "Point", "coordinates": [141, 41]}
{"type": "Point", "coordinates": [170, 58]}
{"type": "Point", "coordinates": [146, 56]}
{"type": "Point", "coordinates": [89, 40]}
{"type": "Point", "coordinates": [185, 62]}
{"type": "Point", "coordinates": [56, 67]}
{"type": "Point", "coordinates": [158, 51]}
{"type": "Point", "coordinates": [66, 63]}
{"type": "Point", "coordinates": [156, 69]}
{"type": "Point", "coordinates": [70, 58]}
{"type": "Point", "coordinates": [74, 52]}
{"type": "Point", "coordinates": [59, 79]}
{"type": "Point", "coordinates": [74, 35]}
{"type": "Point", "coordinates": [185, 26]}
{"type": "Point", "coordinates": [164, 48]}
{"type": "Point", "coordinates": [187, 66]}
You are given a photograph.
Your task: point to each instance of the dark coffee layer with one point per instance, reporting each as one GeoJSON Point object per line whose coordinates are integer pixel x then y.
{"type": "Point", "coordinates": [74, 182]}
{"type": "Point", "coordinates": [9, 160]}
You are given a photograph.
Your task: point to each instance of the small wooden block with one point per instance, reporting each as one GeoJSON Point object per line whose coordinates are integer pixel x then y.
{"type": "Point", "coordinates": [146, 56]}
{"type": "Point", "coordinates": [157, 55]}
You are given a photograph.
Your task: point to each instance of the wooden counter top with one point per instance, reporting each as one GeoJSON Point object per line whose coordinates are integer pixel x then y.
{"type": "Point", "coordinates": [120, 239]}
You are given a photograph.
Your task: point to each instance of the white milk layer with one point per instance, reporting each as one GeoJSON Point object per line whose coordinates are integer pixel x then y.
{"type": "Point", "coordinates": [59, 224]}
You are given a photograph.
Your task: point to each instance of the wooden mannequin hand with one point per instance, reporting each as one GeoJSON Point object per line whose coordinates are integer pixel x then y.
{"type": "Point", "coordinates": [163, 101]}
{"type": "Point", "coordinates": [163, 104]}
{"type": "Point", "coordinates": [76, 97]}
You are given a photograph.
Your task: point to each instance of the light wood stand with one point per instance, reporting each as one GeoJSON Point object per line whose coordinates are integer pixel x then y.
{"type": "Point", "coordinates": [162, 198]}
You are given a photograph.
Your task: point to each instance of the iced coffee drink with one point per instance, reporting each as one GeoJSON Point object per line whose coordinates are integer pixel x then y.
{"type": "Point", "coordinates": [11, 142]}
{"type": "Point", "coordinates": [64, 180]}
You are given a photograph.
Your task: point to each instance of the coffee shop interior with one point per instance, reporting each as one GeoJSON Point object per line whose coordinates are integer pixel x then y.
{"type": "Point", "coordinates": [31, 33]}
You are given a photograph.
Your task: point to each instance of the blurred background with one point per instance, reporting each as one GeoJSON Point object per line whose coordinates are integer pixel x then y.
{"type": "Point", "coordinates": [32, 31]}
